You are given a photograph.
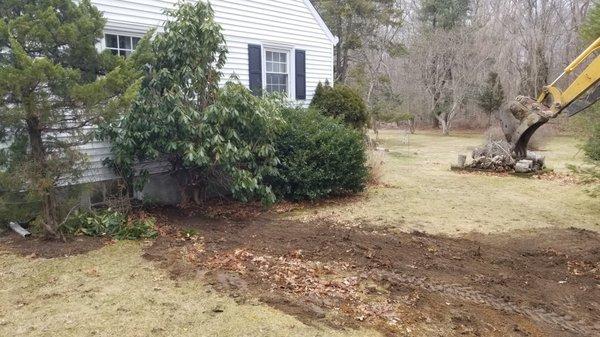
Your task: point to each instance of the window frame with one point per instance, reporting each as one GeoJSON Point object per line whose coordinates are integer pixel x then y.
{"type": "Point", "coordinates": [289, 51]}
{"type": "Point", "coordinates": [286, 68]}
{"type": "Point", "coordinates": [118, 49]}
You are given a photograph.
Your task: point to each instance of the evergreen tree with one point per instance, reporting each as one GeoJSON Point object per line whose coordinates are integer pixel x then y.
{"type": "Point", "coordinates": [590, 31]}
{"type": "Point", "coordinates": [590, 175]}
{"type": "Point", "coordinates": [491, 97]}
{"type": "Point", "coordinates": [444, 14]}
{"type": "Point", "coordinates": [353, 21]}
{"type": "Point", "coordinates": [50, 94]}
{"type": "Point", "coordinates": [591, 28]}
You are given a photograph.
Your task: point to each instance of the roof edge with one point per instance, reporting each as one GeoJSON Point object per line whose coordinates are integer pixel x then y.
{"type": "Point", "coordinates": [334, 39]}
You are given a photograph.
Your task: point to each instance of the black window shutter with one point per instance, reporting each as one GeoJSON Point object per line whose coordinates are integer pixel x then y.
{"type": "Point", "coordinates": [300, 74]}
{"type": "Point", "coordinates": [255, 68]}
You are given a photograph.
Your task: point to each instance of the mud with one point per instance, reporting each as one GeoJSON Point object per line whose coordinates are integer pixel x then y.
{"type": "Point", "coordinates": [544, 283]}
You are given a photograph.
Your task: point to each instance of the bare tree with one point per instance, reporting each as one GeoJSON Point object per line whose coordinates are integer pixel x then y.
{"type": "Point", "coordinates": [527, 42]}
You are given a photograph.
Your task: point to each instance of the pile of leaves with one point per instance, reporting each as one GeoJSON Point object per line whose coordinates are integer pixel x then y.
{"type": "Point", "coordinates": [583, 268]}
{"type": "Point", "coordinates": [109, 223]}
{"type": "Point", "coordinates": [317, 286]}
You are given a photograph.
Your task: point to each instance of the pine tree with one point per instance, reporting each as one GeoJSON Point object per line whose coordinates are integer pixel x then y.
{"type": "Point", "coordinates": [352, 21]}
{"type": "Point", "coordinates": [590, 175]}
{"type": "Point", "coordinates": [50, 94]}
{"type": "Point", "coordinates": [444, 14]}
{"type": "Point", "coordinates": [491, 97]}
{"type": "Point", "coordinates": [590, 30]}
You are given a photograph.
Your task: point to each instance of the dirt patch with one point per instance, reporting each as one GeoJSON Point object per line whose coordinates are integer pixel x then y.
{"type": "Point", "coordinates": [234, 210]}
{"type": "Point", "coordinates": [40, 248]}
{"type": "Point", "coordinates": [543, 283]}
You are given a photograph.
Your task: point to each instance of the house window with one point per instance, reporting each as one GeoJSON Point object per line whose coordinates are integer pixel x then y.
{"type": "Point", "coordinates": [277, 71]}
{"type": "Point", "coordinates": [121, 44]}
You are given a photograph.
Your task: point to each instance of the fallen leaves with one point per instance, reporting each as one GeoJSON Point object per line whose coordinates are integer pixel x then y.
{"type": "Point", "coordinates": [562, 178]}
{"type": "Point", "coordinates": [584, 268]}
{"type": "Point", "coordinates": [320, 285]}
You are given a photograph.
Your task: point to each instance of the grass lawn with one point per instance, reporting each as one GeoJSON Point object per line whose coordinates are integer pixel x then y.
{"type": "Point", "coordinates": [421, 193]}
{"type": "Point", "coordinates": [114, 291]}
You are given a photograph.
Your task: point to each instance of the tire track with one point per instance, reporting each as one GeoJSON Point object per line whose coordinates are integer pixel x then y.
{"type": "Point", "coordinates": [469, 294]}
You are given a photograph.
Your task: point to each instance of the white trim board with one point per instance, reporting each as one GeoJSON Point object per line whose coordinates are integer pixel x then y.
{"type": "Point", "coordinates": [334, 39]}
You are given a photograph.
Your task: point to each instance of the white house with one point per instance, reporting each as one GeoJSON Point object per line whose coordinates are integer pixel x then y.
{"type": "Point", "coordinates": [274, 45]}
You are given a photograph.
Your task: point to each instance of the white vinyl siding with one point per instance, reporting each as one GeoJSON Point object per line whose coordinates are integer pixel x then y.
{"type": "Point", "coordinates": [284, 24]}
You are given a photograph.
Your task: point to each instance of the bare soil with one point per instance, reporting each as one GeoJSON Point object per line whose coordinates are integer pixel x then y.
{"type": "Point", "coordinates": [36, 247]}
{"type": "Point", "coordinates": [529, 283]}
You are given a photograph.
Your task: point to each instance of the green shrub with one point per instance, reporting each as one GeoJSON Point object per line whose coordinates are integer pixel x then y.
{"type": "Point", "coordinates": [592, 146]}
{"type": "Point", "coordinates": [590, 174]}
{"type": "Point", "coordinates": [111, 223]}
{"type": "Point", "coordinates": [590, 177]}
{"type": "Point", "coordinates": [319, 157]}
{"type": "Point", "coordinates": [341, 102]}
{"type": "Point", "coordinates": [210, 135]}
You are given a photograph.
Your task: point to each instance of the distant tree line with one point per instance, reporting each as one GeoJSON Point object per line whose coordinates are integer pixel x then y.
{"type": "Point", "coordinates": [453, 63]}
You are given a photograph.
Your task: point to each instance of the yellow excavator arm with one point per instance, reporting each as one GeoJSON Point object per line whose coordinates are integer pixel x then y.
{"type": "Point", "coordinates": [586, 80]}
{"type": "Point", "coordinates": [531, 114]}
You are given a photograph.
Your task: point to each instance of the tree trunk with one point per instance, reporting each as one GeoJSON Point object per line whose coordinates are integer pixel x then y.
{"type": "Point", "coordinates": [49, 212]}
{"type": "Point", "coordinates": [338, 58]}
{"type": "Point", "coordinates": [435, 123]}
{"type": "Point", "coordinates": [444, 124]}
{"type": "Point", "coordinates": [411, 126]}
{"type": "Point", "coordinates": [374, 122]}
{"type": "Point", "coordinates": [445, 128]}
{"type": "Point", "coordinates": [39, 179]}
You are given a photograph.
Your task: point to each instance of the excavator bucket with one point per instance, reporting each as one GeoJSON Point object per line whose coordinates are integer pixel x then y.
{"type": "Point", "coordinates": [526, 115]}
{"type": "Point", "coordinates": [523, 118]}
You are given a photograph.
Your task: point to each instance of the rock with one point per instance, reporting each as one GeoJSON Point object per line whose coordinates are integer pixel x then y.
{"type": "Point", "coordinates": [539, 161]}
{"type": "Point", "coordinates": [529, 163]}
{"type": "Point", "coordinates": [524, 166]}
{"type": "Point", "coordinates": [462, 159]}
{"type": "Point", "coordinates": [494, 156]}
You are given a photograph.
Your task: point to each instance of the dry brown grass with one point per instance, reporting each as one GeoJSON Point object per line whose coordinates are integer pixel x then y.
{"type": "Point", "coordinates": [115, 292]}
{"type": "Point", "coordinates": [375, 162]}
{"type": "Point", "coordinates": [419, 192]}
